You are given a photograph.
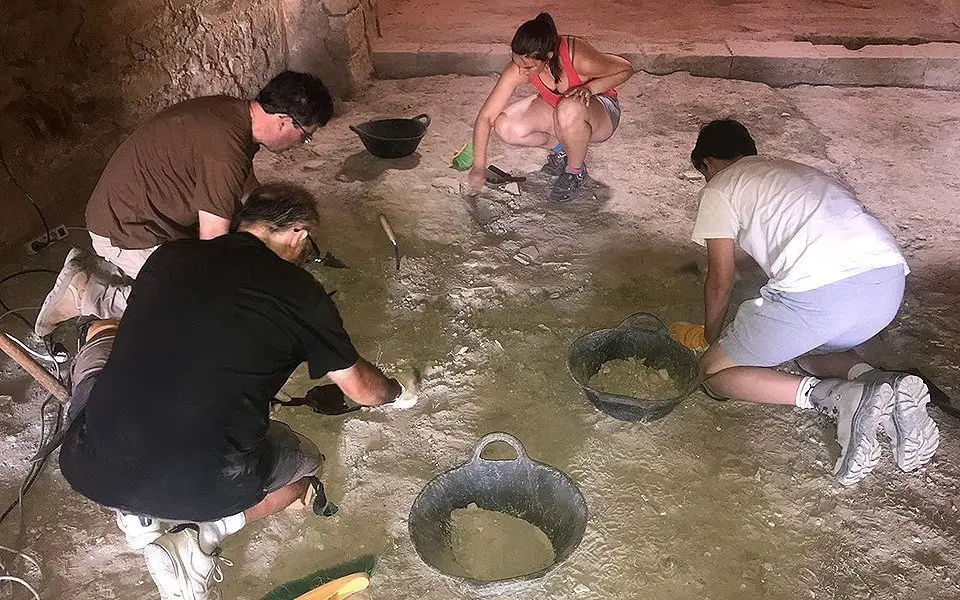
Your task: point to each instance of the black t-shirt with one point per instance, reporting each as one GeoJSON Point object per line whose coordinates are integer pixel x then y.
{"type": "Point", "coordinates": [175, 425]}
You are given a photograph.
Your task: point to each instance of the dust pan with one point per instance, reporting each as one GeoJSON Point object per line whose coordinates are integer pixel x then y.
{"type": "Point", "coordinates": [644, 337]}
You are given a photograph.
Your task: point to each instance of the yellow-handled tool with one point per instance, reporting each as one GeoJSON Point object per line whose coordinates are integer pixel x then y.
{"type": "Point", "coordinates": [387, 229]}
{"type": "Point", "coordinates": [338, 588]}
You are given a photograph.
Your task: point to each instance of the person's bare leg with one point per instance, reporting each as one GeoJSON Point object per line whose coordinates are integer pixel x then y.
{"type": "Point", "coordinates": [528, 123]}
{"type": "Point", "coordinates": [577, 126]}
{"type": "Point", "coordinates": [830, 365]}
{"type": "Point", "coordinates": [753, 384]}
{"type": "Point", "coordinates": [277, 500]}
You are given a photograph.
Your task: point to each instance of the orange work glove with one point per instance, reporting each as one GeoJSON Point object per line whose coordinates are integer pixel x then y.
{"type": "Point", "coordinates": [689, 335]}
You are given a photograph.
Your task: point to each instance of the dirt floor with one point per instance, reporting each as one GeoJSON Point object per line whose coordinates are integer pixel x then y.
{"type": "Point", "coordinates": [717, 500]}
{"type": "Point", "coordinates": [852, 22]}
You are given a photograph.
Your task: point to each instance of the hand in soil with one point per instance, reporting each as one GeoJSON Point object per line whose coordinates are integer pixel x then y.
{"type": "Point", "coordinates": [475, 180]}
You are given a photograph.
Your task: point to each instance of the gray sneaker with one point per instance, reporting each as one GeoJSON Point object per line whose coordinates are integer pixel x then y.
{"type": "Point", "coordinates": [859, 408]}
{"type": "Point", "coordinates": [568, 186]}
{"type": "Point", "coordinates": [914, 436]}
{"type": "Point", "coordinates": [556, 164]}
{"type": "Point", "coordinates": [181, 569]}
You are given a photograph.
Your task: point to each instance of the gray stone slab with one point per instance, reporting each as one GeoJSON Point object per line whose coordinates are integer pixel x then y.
{"type": "Point", "coordinates": [775, 63]}
{"type": "Point", "coordinates": [703, 60]}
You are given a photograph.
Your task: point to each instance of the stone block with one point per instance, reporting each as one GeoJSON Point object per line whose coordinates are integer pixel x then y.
{"type": "Point", "coordinates": [700, 59]}
{"type": "Point", "coordinates": [338, 7]}
{"type": "Point", "coordinates": [942, 74]}
{"type": "Point", "coordinates": [775, 63]}
{"type": "Point", "coordinates": [884, 65]}
{"type": "Point", "coordinates": [395, 61]}
{"type": "Point", "coordinates": [464, 59]}
{"type": "Point", "coordinates": [942, 70]}
{"type": "Point", "coordinates": [354, 30]}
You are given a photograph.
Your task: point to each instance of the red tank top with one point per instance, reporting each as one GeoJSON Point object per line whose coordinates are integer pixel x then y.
{"type": "Point", "coordinates": [573, 79]}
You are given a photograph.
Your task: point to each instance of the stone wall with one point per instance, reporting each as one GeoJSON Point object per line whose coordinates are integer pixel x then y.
{"type": "Point", "coordinates": [76, 75]}
{"type": "Point", "coordinates": [331, 38]}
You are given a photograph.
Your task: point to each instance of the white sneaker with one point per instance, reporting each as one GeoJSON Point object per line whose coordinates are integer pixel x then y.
{"type": "Point", "coordinates": [140, 531]}
{"type": "Point", "coordinates": [181, 570]}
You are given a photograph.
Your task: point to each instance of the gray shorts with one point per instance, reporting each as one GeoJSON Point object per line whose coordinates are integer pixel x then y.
{"type": "Point", "coordinates": [294, 456]}
{"type": "Point", "coordinates": [781, 326]}
{"type": "Point", "coordinates": [612, 106]}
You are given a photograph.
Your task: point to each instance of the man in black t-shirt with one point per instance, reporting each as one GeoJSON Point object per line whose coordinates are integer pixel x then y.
{"type": "Point", "coordinates": [169, 412]}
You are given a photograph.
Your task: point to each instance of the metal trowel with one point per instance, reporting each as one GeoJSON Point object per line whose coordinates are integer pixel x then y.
{"type": "Point", "coordinates": [495, 176]}
{"type": "Point", "coordinates": [328, 259]}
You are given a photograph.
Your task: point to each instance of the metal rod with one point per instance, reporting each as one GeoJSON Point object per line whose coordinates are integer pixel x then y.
{"type": "Point", "coordinates": [35, 369]}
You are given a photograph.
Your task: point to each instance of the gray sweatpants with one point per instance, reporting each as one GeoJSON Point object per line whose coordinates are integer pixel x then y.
{"type": "Point", "coordinates": [781, 326]}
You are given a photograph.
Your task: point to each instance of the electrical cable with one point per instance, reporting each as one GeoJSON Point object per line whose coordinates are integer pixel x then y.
{"type": "Point", "coordinates": [43, 219]}
{"type": "Point", "coordinates": [44, 448]}
{"type": "Point", "coordinates": [3, 305]}
{"type": "Point", "coordinates": [26, 557]}
{"type": "Point", "coordinates": [5, 573]}
{"type": "Point", "coordinates": [21, 582]}
{"type": "Point", "coordinates": [17, 310]}
{"type": "Point", "coordinates": [49, 357]}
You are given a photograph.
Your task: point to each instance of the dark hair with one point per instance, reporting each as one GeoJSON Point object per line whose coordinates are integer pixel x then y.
{"type": "Point", "coordinates": [300, 95]}
{"type": "Point", "coordinates": [537, 38]}
{"type": "Point", "coordinates": [279, 206]}
{"type": "Point", "coordinates": [724, 139]}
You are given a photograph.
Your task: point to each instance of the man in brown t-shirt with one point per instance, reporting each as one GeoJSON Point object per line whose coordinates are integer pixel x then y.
{"type": "Point", "coordinates": [181, 174]}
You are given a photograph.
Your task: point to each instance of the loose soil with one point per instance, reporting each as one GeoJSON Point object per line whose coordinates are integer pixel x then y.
{"type": "Point", "coordinates": [492, 546]}
{"type": "Point", "coordinates": [633, 378]}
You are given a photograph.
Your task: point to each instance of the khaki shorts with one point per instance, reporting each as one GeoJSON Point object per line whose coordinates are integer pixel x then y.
{"type": "Point", "coordinates": [128, 261]}
{"type": "Point", "coordinates": [293, 456]}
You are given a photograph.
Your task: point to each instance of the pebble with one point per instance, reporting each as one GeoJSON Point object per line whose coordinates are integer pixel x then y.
{"type": "Point", "coordinates": [691, 175]}
{"type": "Point", "coordinates": [512, 188]}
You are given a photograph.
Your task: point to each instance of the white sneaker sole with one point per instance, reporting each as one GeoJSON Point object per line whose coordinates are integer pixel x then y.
{"type": "Point", "coordinates": [863, 451]}
{"type": "Point", "coordinates": [914, 435]}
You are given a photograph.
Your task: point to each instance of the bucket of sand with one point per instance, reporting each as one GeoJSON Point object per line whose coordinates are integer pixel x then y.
{"type": "Point", "coordinates": [498, 525]}
{"type": "Point", "coordinates": [635, 371]}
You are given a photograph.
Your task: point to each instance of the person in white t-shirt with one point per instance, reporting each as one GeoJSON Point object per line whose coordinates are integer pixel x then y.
{"type": "Point", "coordinates": [836, 278]}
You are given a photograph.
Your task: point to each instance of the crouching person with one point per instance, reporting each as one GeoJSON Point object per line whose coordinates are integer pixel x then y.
{"type": "Point", "coordinates": [169, 419]}
{"type": "Point", "coordinates": [836, 279]}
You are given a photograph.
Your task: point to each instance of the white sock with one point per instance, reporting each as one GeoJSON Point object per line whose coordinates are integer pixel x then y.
{"type": "Point", "coordinates": [213, 532]}
{"type": "Point", "coordinates": [859, 369]}
{"type": "Point", "coordinates": [803, 392]}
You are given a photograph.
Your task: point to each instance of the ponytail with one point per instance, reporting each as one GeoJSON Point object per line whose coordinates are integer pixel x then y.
{"type": "Point", "coordinates": [537, 38]}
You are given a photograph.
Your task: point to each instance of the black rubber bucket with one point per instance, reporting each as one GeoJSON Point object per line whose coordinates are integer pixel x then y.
{"type": "Point", "coordinates": [392, 138]}
{"type": "Point", "coordinates": [521, 487]}
{"type": "Point", "coordinates": [642, 336]}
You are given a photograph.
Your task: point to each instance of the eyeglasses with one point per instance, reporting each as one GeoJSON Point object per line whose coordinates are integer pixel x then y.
{"type": "Point", "coordinates": [304, 134]}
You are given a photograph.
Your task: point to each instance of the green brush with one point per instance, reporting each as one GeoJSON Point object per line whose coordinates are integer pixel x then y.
{"type": "Point", "coordinates": [464, 158]}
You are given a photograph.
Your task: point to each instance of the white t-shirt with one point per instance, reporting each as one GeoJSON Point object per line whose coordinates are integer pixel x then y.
{"type": "Point", "coordinates": [804, 229]}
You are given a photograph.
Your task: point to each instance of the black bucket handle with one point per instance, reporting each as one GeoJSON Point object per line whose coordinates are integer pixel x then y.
{"type": "Point", "coordinates": [357, 131]}
{"type": "Point", "coordinates": [638, 320]}
{"type": "Point", "coordinates": [499, 436]}
{"type": "Point", "coordinates": [422, 117]}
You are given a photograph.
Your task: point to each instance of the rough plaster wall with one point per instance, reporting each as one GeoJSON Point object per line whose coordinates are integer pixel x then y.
{"type": "Point", "coordinates": [76, 75]}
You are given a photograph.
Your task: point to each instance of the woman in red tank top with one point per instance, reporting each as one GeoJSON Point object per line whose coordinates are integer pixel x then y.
{"type": "Point", "coordinates": [575, 104]}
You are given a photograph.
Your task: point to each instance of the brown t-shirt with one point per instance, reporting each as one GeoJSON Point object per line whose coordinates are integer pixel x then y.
{"type": "Point", "coordinates": [192, 156]}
